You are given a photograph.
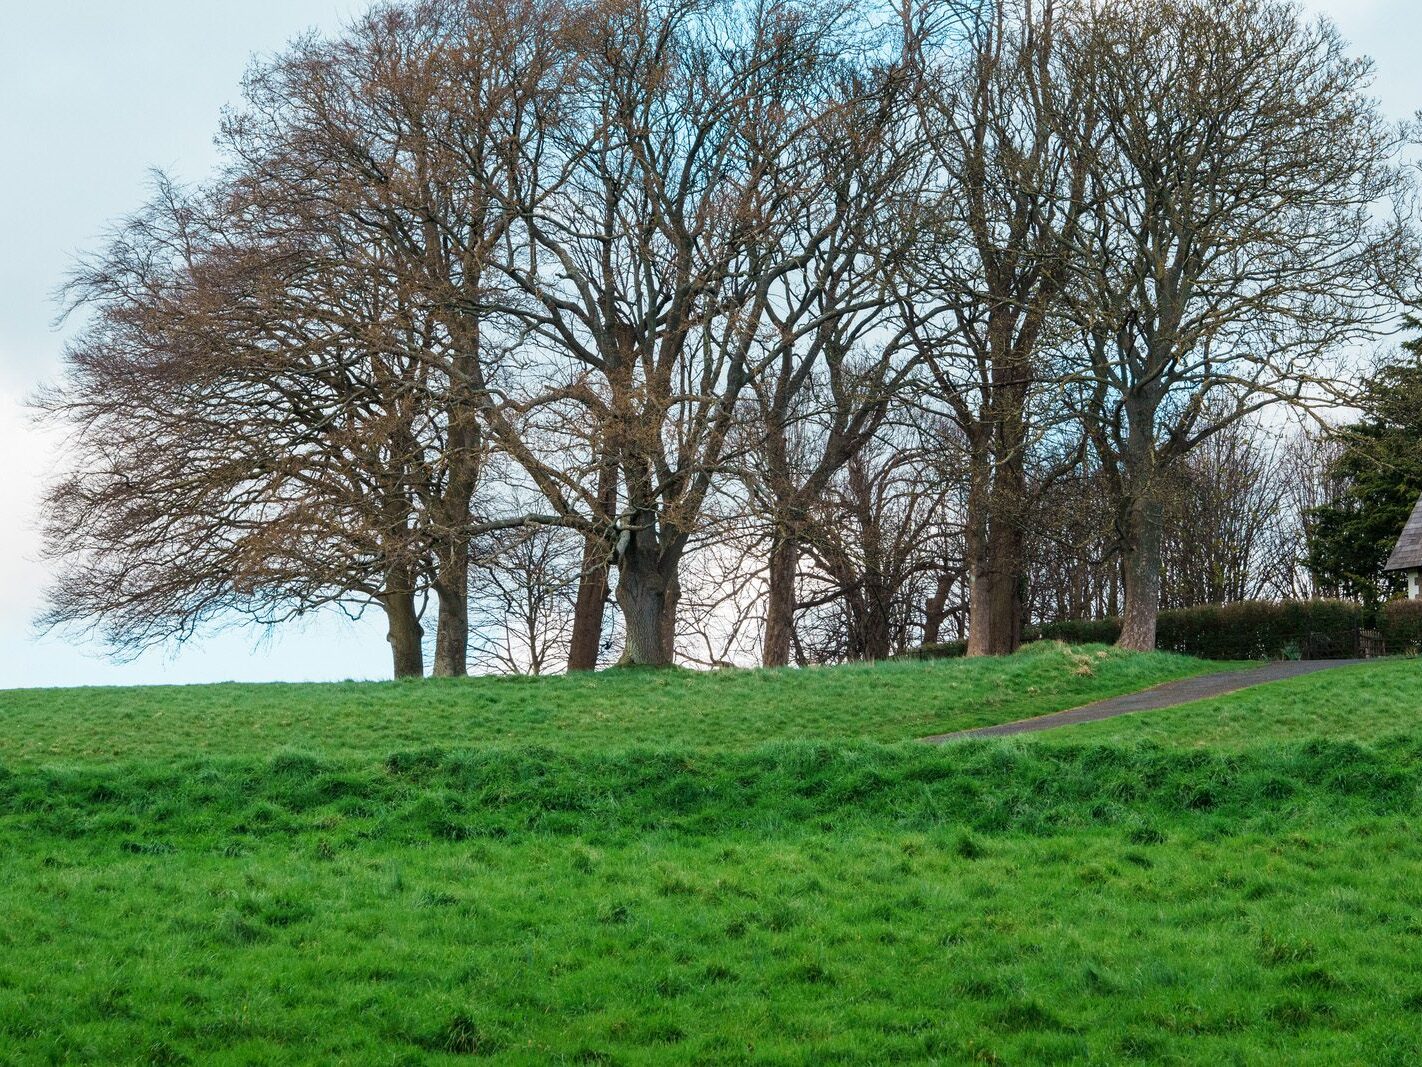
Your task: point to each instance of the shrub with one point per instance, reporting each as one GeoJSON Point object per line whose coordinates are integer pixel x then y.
{"type": "Point", "coordinates": [1261, 629]}
{"type": "Point", "coordinates": [1401, 625]}
{"type": "Point", "coordinates": [1077, 631]}
{"type": "Point", "coordinates": [1249, 629]}
{"type": "Point", "coordinates": [942, 650]}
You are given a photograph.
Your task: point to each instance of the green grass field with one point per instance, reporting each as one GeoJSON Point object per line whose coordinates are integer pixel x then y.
{"type": "Point", "coordinates": [717, 712]}
{"type": "Point", "coordinates": [1371, 702]}
{"type": "Point", "coordinates": [746, 867]}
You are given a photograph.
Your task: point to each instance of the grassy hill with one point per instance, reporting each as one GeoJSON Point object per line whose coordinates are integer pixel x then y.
{"type": "Point", "coordinates": [674, 868]}
{"type": "Point", "coordinates": [1371, 702]}
{"type": "Point", "coordinates": [722, 711]}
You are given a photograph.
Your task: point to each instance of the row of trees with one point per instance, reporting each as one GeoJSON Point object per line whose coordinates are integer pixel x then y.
{"type": "Point", "coordinates": [800, 329]}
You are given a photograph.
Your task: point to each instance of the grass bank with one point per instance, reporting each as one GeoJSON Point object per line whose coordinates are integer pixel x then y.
{"type": "Point", "coordinates": [715, 711]}
{"type": "Point", "coordinates": [667, 868]}
{"type": "Point", "coordinates": [870, 945]}
{"type": "Point", "coordinates": [1370, 702]}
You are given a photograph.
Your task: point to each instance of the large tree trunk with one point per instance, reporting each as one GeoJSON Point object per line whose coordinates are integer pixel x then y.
{"type": "Point", "coordinates": [1007, 503]}
{"type": "Point", "coordinates": [1000, 494]}
{"type": "Point", "coordinates": [647, 591]}
{"type": "Point", "coordinates": [975, 557]}
{"type": "Point", "coordinates": [590, 608]}
{"type": "Point", "coordinates": [1140, 576]}
{"type": "Point", "coordinates": [1004, 592]}
{"type": "Point", "coordinates": [647, 602]}
{"type": "Point", "coordinates": [876, 623]}
{"type": "Point", "coordinates": [405, 634]}
{"type": "Point", "coordinates": [936, 610]}
{"type": "Point", "coordinates": [995, 608]}
{"type": "Point", "coordinates": [878, 642]}
{"type": "Point", "coordinates": [452, 627]}
{"type": "Point", "coordinates": [780, 608]}
{"type": "Point", "coordinates": [465, 458]}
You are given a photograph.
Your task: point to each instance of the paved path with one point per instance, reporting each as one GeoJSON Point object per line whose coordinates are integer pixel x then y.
{"type": "Point", "coordinates": [1167, 695]}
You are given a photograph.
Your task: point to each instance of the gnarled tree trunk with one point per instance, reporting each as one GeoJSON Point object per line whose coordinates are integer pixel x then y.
{"type": "Point", "coordinates": [878, 640]}
{"type": "Point", "coordinates": [405, 634]}
{"type": "Point", "coordinates": [647, 591]}
{"type": "Point", "coordinates": [452, 627]}
{"type": "Point", "coordinates": [648, 604]}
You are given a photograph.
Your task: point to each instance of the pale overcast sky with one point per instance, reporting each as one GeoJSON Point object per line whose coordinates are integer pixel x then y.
{"type": "Point", "coordinates": [94, 93]}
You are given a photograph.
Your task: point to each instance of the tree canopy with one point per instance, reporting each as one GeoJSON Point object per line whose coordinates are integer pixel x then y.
{"type": "Point", "coordinates": [1379, 470]}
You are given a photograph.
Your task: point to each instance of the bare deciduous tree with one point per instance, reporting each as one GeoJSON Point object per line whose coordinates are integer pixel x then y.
{"type": "Point", "coordinates": [1000, 221]}
{"type": "Point", "coordinates": [234, 453]}
{"type": "Point", "coordinates": [891, 320]}
{"type": "Point", "coordinates": [1245, 223]}
{"type": "Point", "coordinates": [657, 216]}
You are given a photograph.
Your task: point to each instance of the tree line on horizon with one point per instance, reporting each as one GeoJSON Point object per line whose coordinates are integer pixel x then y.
{"type": "Point", "coordinates": [696, 329]}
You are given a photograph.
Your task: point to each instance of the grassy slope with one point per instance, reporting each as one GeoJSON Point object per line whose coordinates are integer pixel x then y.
{"type": "Point", "coordinates": [796, 904]}
{"type": "Point", "coordinates": [731, 893]}
{"type": "Point", "coordinates": [870, 945]}
{"type": "Point", "coordinates": [719, 711]}
{"type": "Point", "coordinates": [1370, 702]}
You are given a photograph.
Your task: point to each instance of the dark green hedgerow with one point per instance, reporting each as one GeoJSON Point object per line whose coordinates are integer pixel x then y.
{"type": "Point", "coordinates": [438, 795]}
{"type": "Point", "coordinates": [1246, 630]}
{"type": "Point", "coordinates": [1400, 624]}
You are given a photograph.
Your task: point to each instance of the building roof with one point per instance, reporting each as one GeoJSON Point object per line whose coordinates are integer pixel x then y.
{"type": "Point", "coordinates": [1408, 553]}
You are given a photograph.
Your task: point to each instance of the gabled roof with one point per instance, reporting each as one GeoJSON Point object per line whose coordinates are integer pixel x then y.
{"type": "Point", "coordinates": [1408, 553]}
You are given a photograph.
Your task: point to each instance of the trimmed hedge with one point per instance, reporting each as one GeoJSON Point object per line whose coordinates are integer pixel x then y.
{"type": "Point", "coordinates": [1077, 631]}
{"type": "Point", "coordinates": [1254, 629]}
{"type": "Point", "coordinates": [942, 650]}
{"type": "Point", "coordinates": [1246, 630]}
{"type": "Point", "coordinates": [1249, 629]}
{"type": "Point", "coordinates": [1400, 623]}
